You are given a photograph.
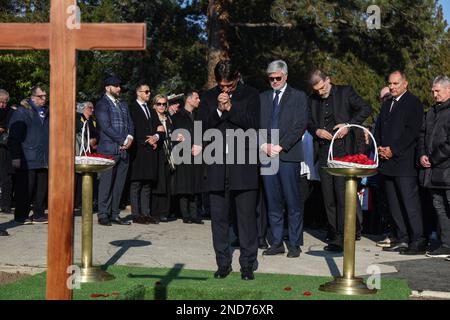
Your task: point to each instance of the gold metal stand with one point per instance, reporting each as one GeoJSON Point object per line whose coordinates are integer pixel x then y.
{"type": "Point", "coordinates": [348, 284]}
{"type": "Point", "coordinates": [89, 273]}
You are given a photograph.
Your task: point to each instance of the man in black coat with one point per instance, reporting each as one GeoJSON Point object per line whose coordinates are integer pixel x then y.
{"type": "Point", "coordinates": [231, 106]}
{"type": "Point", "coordinates": [188, 176]}
{"type": "Point", "coordinates": [332, 107]}
{"type": "Point", "coordinates": [397, 133]}
{"type": "Point", "coordinates": [434, 153]}
{"type": "Point", "coordinates": [284, 109]}
{"type": "Point", "coordinates": [148, 132]}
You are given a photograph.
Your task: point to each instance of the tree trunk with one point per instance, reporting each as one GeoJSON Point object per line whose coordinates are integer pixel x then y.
{"type": "Point", "coordinates": [218, 46]}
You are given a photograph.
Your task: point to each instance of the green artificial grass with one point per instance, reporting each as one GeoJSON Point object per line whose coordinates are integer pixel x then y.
{"type": "Point", "coordinates": [181, 284]}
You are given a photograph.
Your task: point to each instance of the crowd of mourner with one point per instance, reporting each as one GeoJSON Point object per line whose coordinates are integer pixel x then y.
{"type": "Point", "coordinates": [408, 201]}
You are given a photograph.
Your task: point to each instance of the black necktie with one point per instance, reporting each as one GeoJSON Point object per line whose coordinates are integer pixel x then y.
{"type": "Point", "coordinates": [275, 110]}
{"type": "Point", "coordinates": [147, 113]}
{"type": "Point", "coordinates": [393, 104]}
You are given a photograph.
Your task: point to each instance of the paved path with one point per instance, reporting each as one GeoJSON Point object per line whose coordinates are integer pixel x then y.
{"type": "Point", "coordinates": [167, 244]}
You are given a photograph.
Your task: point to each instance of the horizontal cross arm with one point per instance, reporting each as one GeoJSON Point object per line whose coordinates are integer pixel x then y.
{"type": "Point", "coordinates": [111, 36]}
{"type": "Point", "coordinates": [24, 36]}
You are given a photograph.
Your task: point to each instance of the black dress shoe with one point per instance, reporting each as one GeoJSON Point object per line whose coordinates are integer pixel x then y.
{"type": "Point", "coordinates": [247, 274]}
{"type": "Point", "coordinates": [152, 220]}
{"type": "Point", "coordinates": [120, 221]}
{"type": "Point", "coordinates": [222, 272]}
{"type": "Point", "coordinates": [262, 244]}
{"type": "Point", "coordinates": [188, 221]}
{"type": "Point", "coordinates": [197, 221]}
{"type": "Point", "coordinates": [294, 252]}
{"type": "Point", "coordinates": [104, 222]}
{"type": "Point", "coordinates": [397, 247]}
{"type": "Point", "coordinates": [3, 233]}
{"type": "Point", "coordinates": [333, 248]}
{"type": "Point", "coordinates": [415, 248]}
{"type": "Point", "coordinates": [140, 220]}
{"type": "Point", "coordinates": [274, 250]}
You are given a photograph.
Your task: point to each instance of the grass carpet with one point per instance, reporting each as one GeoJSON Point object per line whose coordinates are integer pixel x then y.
{"type": "Point", "coordinates": [181, 284]}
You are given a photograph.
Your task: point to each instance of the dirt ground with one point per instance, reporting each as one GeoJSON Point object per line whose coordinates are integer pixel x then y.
{"type": "Point", "coordinates": [6, 277]}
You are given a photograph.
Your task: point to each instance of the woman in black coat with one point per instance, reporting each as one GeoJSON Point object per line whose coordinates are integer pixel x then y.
{"type": "Point", "coordinates": [162, 192]}
{"type": "Point", "coordinates": [189, 176]}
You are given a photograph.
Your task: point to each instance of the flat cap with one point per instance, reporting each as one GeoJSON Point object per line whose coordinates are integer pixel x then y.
{"type": "Point", "coordinates": [112, 81]}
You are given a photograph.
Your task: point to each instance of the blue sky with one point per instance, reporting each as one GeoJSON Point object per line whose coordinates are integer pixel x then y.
{"type": "Point", "coordinates": [446, 5]}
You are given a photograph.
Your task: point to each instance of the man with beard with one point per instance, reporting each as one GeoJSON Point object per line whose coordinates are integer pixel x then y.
{"type": "Point", "coordinates": [116, 131]}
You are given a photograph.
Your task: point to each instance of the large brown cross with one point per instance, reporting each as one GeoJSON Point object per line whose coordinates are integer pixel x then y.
{"type": "Point", "coordinates": [63, 41]}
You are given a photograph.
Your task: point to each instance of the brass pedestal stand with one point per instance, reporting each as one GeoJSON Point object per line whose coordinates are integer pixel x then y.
{"type": "Point", "coordinates": [89, 273]}
{"type": "Point", "coordinates": [348, 284]}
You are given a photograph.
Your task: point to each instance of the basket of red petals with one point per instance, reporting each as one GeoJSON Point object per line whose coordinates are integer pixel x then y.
{"type": "Point", "coordinates": [353, 161]}
{"type": "Point", "coordinates": [86, 157]}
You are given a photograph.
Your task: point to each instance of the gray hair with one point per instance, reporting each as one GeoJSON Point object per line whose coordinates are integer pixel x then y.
{"type": "Point", "coordinates": [82, 105]}
{"type": "Point", "coordinates": [277, 66]}
{"type": "Point", "coordinates": [442, 80]}
{"type": "Point", "coordinates": [4, 93]}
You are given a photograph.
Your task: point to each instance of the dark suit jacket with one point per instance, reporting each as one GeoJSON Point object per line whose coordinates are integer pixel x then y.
{"type": "Point", "coordinates": [348, 107]}
{"type": "Point", "coordinates": [400, 130]}
{"type": "Point", "coordinates": [244, 114]}
{"type": "Point", "coordinates": [144, 160]}
{"type": "Point", "coordinates": [189, 178]}
{"type": "Point", "coordinates": [292, 123]}
{"type": "Point", "coordinates": [111, 137]}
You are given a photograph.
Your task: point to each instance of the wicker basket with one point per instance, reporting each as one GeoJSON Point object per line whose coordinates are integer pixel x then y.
{"type": "Point", "coordinates": [342, 164]}
{"type": "Point", "coordinates": [83, 157]}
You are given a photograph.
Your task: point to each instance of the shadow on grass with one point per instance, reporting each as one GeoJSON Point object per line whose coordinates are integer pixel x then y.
{"type": "Point", "coordinates": [124, 245]}
{"type": "Point", "coordinates": [161, 286]}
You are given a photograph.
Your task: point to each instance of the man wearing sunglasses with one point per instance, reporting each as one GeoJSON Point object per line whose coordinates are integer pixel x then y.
{"type": "Point", "coordinates": [28, 147]}
{"type": "Point", "coordinates": [332, 107]}
{"type": "Point", "coordinates": [116, 130]}
{"type": "Point", "coordinates": [284, 109]}
{"type": "Point", "coordinates": [144, 157]}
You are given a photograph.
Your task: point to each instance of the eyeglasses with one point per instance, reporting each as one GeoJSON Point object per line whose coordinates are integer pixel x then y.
{"type": "Point", "coordinates": [272, 79]}
{"type": "Point", "coordinates": [145, 91]}
{"type": "Point", "coordinates": [160, 104]}
{"type": "Point", "coordinates": [42, 96]}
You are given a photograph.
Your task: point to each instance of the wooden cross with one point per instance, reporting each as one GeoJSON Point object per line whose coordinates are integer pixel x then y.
{"type": "Point", "coordinates": [63, 41]}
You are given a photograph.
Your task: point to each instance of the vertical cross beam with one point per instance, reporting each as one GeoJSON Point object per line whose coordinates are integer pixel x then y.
{"type": "Point", "coordinates": [61, 152]}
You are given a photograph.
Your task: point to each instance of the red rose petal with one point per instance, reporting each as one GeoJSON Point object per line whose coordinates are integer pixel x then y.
{"type": "Point", "coordinates": [307, 293]}
{"type": "Point", "coordinates": [288, 289]}
{"type": "Point", "coordinates": [98, 295]}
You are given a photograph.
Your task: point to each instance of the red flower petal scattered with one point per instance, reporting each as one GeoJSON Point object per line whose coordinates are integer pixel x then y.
{"type": "Point", "coordinates": [288, 289]}
{"type": "Point", "coordinates": [307, 293]}
{"type": "Point", "coordinates": [98, 295]}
